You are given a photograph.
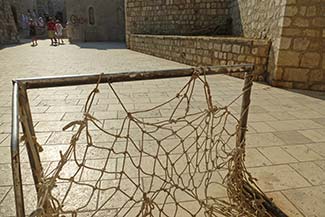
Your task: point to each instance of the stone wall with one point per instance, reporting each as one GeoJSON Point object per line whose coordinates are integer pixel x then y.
{"type": "Point", "coordinates": [57, 8]}
{"type": "Point", "coordinates": [8, 27]}
{"type": "Point", "coordinates": [108, 20]}
{"type": "Point", "coordinates": [199, 50]}
{"type": "Point", "coordinates": [301, 61]}
{"type": "Point", "coordinates": [177, 17]}
{"type": "Point", "coordinates": [261, 19]}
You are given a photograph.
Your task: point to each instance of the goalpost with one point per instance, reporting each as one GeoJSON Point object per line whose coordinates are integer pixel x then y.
{"type": "Point", "coordinates": [194, 154]}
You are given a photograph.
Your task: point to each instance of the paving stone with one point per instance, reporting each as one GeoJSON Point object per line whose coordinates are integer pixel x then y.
{"type": "Point", "coordinates": [5, 128]}
{"type": "Point", "coordinates": [51, 126]}
{"type": "Point", "coordinates": [69, 116]}
{"type": "Point", "coordinates": [4, 139]}
{"type": "Point", "coordinates": [294, 125]}
{"type": "Point", "coordinates": [320, 121]}
{"type": "Point", "coordinates": [260, 117]}
{"type": "Point", "coordinates": [50, 153]}
{"type": "Point", "coordinates": [283, 115]}
{"type": "Point", "coordinates": [254, 158]}
{"type": "Point", "coordinates": [284, 204]}
{"type": "Point", "coordinates": [310, 201]}
{"type": "Point", "coordinates": [275, 178]}
{"type": "Point", "coordinates": [55, 109]}
{"type": "Point", "coordinates": [5, 155]}
{"type": "Point", "coordinates": [292, 137]}
{"type": "Point", "coordinates": [313, 173]}
{"type": "Point", "coordinates": [47, 116]}
{"type": "Point", "coordinates": [3, 192]}
{"type": "Point", "coordinates": [321, 164]}
{"type": "Point", "coordinates": [315, 135]}
{"type": "Point", "coordinates": [307, 114]}
{"type": "Point", "coordinates": [263, 139]}
{"type": "Point", "coordinates": [277, 155]}
{"type": "Point", "coordinates": [261, 127]}
{"type": "Point", "coordinates": [7, 206]}
{"type": "Point", "coordinates": [302, 152]}
{"type": "Point", "coordinates": [319, 148]}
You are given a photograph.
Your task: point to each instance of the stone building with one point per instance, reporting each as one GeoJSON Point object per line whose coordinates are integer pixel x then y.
{"type": "Point", "coordinates": [285, 39]}
{"type": "Point", "coordinates": [10, 11]}
{"type": "Point", "coordinates": [95, 20]}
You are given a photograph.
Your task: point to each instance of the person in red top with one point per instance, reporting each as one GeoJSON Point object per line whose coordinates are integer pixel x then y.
{"type": "Point", "coordinates": [51, 31]}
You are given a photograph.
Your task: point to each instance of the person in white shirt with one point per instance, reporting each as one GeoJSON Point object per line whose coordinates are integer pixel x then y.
{"type": "Point", "coordinates": [59, 32]}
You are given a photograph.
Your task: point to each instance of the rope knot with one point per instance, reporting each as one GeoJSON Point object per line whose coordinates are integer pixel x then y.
{"type": "Point", "coordinates": [147, 206]}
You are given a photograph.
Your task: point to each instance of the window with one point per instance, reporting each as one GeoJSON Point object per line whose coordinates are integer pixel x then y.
{"type": "Point", "coordinates": [91, 16]}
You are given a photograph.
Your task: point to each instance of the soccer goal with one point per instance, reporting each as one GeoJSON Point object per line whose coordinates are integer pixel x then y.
{"type": "Point", "coordinates": [187, 161]}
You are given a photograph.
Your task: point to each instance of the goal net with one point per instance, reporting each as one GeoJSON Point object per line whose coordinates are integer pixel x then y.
{"type": "Point", "coordinates": [189, 163]}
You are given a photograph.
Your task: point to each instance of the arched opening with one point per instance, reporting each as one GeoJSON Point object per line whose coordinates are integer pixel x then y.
{"type": "Point", "coordinates": [91, 16]}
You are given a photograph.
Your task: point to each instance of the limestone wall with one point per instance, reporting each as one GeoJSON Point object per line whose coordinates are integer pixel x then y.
{"type": "Point", "coordinates": [8, 28]}
{"type": "Point", "coordinates": [261, 19]}
{"type": "Point", "coordinates": [199, 50]}
{"type": "Point", "coordinates": [302, 49]}
{"type": "Point", "coordinates": [108, 20]}
{"type": "Point", "coordinates": [175, 16]}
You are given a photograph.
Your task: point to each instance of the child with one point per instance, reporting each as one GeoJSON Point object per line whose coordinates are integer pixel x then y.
{"type": "Point", "coordinates": [59, 31]}
{"type": "Point", "coordinates": [51, 31]}
{"type": "Point", "coordinates": [32, 32]}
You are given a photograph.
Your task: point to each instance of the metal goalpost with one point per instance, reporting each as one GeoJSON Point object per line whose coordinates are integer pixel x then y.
{"type": "Point", "coordinates": [21, 114]}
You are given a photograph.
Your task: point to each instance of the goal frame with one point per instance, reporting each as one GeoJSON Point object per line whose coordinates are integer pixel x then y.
{"type": "Point", "coordinates": [21, 113]}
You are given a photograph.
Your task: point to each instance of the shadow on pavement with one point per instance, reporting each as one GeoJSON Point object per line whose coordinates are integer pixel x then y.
{"type": "Point", "coordinates": [100, 45]}
{"type": "Point", "coordinates": [310, 93]}
{"type": "Point", "coordinates": [21, 42]}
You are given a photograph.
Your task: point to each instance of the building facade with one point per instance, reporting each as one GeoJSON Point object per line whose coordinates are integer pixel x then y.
{"type": "Point", "coordinates": [95, 20]}
{"type": "Point", "coordinates": [10, 12]}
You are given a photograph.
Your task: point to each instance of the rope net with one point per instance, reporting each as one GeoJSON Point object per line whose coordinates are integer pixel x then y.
{"type": "Point", "coordinates": [190, 164]}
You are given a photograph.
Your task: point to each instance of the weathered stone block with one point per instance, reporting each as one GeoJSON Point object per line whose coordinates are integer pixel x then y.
{"type": "Point", "coordinates": [250, 59]}
{"type": "Point", "coordinates": [291, 11]}
{"type": "Point", "coordinates": [311, 60]}
{"type": "Point", "coordinates": [241, 58]}
{"type": "Point", "coordinates": [301, 22]}
{"type": "Point", "coordinates": [319, 22]}
{"type": "Point", "coordinates": [311, 11]}
{"type": "Point", "coordinates": [206, 60]}
{"type": "Point", "coordinates": [285, 43]}
{"type": "Point", "coordinates": [217, 46]}
{"type": "Point", "coordinates": [283, 84]}
{"type": "Point", "coordinates": [316, 75]}
{"type": "Point", "coordinates": [236, 49]}
{"type": "Point", "coordinates": [277, 74]}
{"type": "Point", "coordinates": [291, 32]}
{"type": "Point", "coordinates": [301, 44]}
{"type": "Point", "coordinates": [295, 74]}
{"type": "Point", "coordinates": [263, 51]}
{"type": "Point", "coordinates": [286, 22]}
{"type": "Point", "coordinates": [226, 47]}
{"type": "Point", "coordinates": [312, 33]}
{"type": "Point", "coordinates": [302, 10]}
{"type": "Point", "coordinates": [288, 58]}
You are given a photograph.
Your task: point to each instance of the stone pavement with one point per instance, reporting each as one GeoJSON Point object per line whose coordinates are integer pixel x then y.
{"type": "Point", "coordinates": [286, 137]}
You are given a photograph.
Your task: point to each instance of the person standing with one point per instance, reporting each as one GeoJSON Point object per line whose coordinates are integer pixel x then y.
{"type": "Point", "coordinates": [59, 32]}
{"type": "Point", "coordinates": [51, 31]}
{"type": "Point", "coordinates": [32, 32]}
